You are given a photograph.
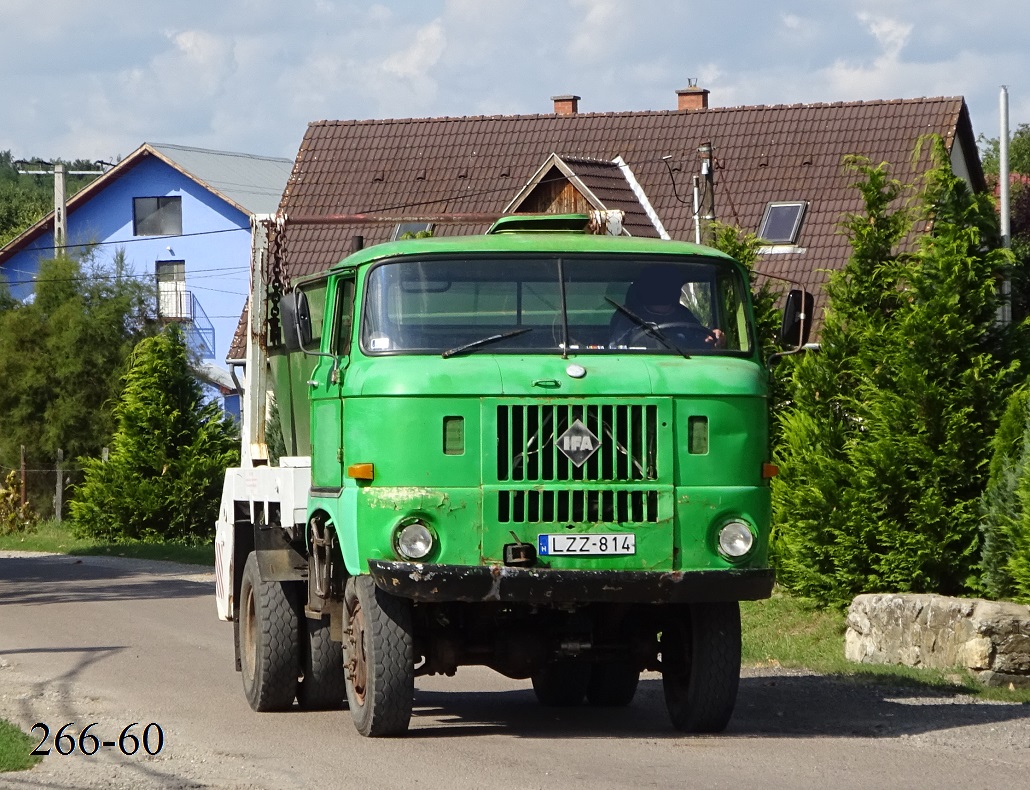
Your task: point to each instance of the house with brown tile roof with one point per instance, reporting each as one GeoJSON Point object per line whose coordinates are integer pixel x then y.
{"type": "Point", "coordinates": [782, 164]}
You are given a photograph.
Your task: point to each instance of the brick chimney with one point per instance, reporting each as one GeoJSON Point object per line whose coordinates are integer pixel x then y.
{"type": "Point", "coordinates": [692, 98]}
{"type": "Point", "coordinates": [566, 105]}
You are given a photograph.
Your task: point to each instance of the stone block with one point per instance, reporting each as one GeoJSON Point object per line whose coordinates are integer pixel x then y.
{"type": "Point", "coordinates": [989, 638]}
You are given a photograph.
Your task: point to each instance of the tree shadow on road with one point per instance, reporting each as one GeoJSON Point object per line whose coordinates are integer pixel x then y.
{"type": "Point", "coordinates": [60, 578]}
{"type": "Point", "coordinates": [771, 706]}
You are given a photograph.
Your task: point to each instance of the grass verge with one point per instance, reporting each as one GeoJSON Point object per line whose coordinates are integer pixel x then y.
{"type": "Point", "coordinates": [15, 746]}
{"type": "Point", "coordinates": [57, 537]}
{"type": "Point", "coordinates": [796, 634]}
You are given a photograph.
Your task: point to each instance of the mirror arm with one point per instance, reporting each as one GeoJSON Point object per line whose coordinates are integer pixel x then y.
{"type": "Point", "coordinates": [334, 372]}
{"type": "Point", "coordinates": [803, 319]}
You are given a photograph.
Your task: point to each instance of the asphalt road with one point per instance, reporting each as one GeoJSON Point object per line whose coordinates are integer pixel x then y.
{"type": "Point", "coordinates": [118, 641]}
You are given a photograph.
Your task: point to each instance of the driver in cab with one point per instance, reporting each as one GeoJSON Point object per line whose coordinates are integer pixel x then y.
{"type": "Point", "coordinates": [654, 316]}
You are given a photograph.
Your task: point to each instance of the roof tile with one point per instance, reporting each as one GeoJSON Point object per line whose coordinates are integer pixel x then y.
{"type": "Point", "coordinates": [764, 154]}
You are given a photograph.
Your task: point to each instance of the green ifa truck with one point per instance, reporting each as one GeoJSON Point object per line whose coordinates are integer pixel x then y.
{"type": "Point", "coordinates": [539, 449]}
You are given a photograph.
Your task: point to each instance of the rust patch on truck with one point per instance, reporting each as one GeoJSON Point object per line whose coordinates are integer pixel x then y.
{"type": "Point", "coordinates": [406, 498]}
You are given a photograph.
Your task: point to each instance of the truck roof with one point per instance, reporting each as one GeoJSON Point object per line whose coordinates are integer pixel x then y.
{"type": "Point", "coordinates": [529, 241]}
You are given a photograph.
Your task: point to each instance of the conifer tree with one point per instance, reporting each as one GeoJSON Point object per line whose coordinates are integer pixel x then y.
{"type": "Point", "coordinates": [886, 446]}
{"type": "Point", "coordinates": [169, 453]}
{"type": "Point", "coordinates": [62, 355]}
{"type": "Point", "coordinates": [743, 246]}
{"type": "Point", "coordinates": [1004, 501]}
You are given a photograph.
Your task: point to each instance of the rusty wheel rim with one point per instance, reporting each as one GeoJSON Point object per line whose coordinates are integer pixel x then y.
{"type": "Point", "coordinates": [359, 661]}
{"type": "Point", "coordinates": [249, 650]}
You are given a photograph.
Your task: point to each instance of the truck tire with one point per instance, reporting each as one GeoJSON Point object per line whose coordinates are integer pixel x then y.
{"type": "Point", "coordinates": [379, 656]}
{"type": "Point", "coordinates": [322, 685]}
{"type": "Point", "coordinates": [561, 684]}
{"type": "Point", "coordinates": [269, 643]}
{"type": "Point", "coordinates": [612, 684]}
{"type": "Point", "coordinates": [701, 666]}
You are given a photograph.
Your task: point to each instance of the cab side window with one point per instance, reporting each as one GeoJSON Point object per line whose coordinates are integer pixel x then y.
{"type": "Point", "coordinates": [344, 317]}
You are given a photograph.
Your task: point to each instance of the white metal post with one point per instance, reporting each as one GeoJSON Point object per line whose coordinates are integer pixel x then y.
{"type": "Point", "coordinates": [1003, 168]}
{"type": "Point", "coordinates": [255, 447]}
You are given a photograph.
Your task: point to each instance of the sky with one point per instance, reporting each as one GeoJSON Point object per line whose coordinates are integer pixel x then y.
{"type": "Point", "coordinates": [94, 79]}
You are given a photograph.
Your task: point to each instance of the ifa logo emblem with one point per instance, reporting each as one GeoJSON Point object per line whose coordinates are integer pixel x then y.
{"type": "Point", "coordinates": [578, 443]}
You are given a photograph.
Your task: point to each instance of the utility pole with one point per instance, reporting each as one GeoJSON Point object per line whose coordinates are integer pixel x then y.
{"type": "Point", "coordinates": [60, 194]}
{"type": "Point", "coordinates": [60, 207]}
{"type": "Point", "coordinates": [704, 152]}
{"type": "Point", "coordinates": [59, 492]}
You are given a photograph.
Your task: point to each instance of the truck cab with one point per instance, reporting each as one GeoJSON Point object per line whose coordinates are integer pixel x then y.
{"type": "Point", "coordinates": [540, 450]}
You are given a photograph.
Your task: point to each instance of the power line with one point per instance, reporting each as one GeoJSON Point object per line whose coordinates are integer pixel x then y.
{"type": "Point", "coordinates": [217, 290]}
{"type": "Point", "coordinates": [143, 238]}
{"type": "Point", "coordinates": [88, 277]}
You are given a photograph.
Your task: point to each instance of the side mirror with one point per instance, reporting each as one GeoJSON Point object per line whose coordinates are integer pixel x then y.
{"type": "Point", "coordinates": [797, 318]}
{"type": "Point", "coordinates": [295, 318]}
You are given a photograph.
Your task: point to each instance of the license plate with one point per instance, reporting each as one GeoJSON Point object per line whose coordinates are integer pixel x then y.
{"type": "Point", "coordinates": [586, 545]}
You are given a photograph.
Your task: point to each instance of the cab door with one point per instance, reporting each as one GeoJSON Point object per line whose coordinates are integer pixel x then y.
{"type": "Point", "coordinates": [325, 388]}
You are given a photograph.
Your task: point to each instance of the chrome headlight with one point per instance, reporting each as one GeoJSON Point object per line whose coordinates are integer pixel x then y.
{"type": "Point", "coordinates": [413, 541]}
{"type": "Point", "coordinates": [735, 540]}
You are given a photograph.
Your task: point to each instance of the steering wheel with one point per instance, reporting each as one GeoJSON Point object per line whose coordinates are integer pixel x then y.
{"type": "Point", "coordinates": [687, 334]}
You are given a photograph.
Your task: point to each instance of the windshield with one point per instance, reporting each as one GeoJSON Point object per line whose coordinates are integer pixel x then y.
{"type": "Point", "coordinates": [514, 304]}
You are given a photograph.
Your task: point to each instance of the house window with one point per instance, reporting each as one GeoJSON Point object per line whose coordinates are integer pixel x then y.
{"type": "Point", "coordinates": [157, 216]}
{"type": "Point", "coordinates": [782, 222]}
{"type": "Point", "coordinates": [403, 229]}
{"type": "Point", "coordinates": [173, 302]}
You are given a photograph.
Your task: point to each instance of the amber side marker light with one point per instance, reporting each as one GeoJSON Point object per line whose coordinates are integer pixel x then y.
{"type": "Point", "coordinates": [361, 471]}
{"type": "Point", "coordinates": [769, 471]}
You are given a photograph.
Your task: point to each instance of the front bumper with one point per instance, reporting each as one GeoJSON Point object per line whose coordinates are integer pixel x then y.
{"type": "Point", "coordinates": [473, 583]}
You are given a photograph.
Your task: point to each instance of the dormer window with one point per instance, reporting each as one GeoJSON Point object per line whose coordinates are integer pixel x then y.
{"type": "Point", "coordinates": [781, 223]}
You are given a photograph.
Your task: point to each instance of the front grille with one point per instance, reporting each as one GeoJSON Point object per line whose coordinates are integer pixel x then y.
{"type": "Point", "coordinates": [527, 451]}
{"type": "Point", "coordinates": [578, 505]}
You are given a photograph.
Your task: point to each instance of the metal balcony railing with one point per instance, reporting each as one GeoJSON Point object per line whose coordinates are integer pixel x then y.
{"type": "Point", "coordinates": [176, 304]}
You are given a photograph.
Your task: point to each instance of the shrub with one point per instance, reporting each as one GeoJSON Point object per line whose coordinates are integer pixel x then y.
{"type": "Point", "coordinates": [885, 445]}
{"type": "Point", "coordinates": [168, 456]}
{"type": "Point", "coordinates": [13, 516]}
{"type": "Point", "coordinates": [1006, 505]}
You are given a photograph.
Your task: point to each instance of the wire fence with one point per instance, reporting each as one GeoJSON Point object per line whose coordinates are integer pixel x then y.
{"type": "Point", "coordinates": [45, 488]}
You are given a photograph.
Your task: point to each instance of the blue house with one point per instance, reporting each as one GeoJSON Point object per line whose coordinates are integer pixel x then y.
{"type": "Point", "coordinates": [180, 215]}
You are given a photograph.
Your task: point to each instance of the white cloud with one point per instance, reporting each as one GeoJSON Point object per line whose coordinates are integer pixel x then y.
{"type": "Point", "coordinates": [379, 13]}
{"type": "Point", "coordinates": [892, 34]}
{"type": "Point", "coordinates": [249, 75]}
{"type": "Point", "coordinates": [207, 57]}
{"type": "Point", "coordinates": [599, 25]}
{"type": "Point", "coordinates": [415, 61]}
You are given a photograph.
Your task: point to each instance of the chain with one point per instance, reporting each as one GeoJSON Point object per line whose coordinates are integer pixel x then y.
{"type": "Point", "coordinates": [278, 274]}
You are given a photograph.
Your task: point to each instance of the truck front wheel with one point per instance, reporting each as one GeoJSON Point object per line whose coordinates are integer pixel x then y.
{"type": "Point", "coordinates": [269, 643]}
{"type": "Point", "coordinates": [379, 660]}
{"type": "Point", "coordinates": [701, 666]}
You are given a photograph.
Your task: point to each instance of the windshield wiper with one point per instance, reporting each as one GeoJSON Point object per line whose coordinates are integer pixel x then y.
{"type": "Point", "coordinates": [650, 328]}
{"type": "Point", "coordinates": [485, 341]}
